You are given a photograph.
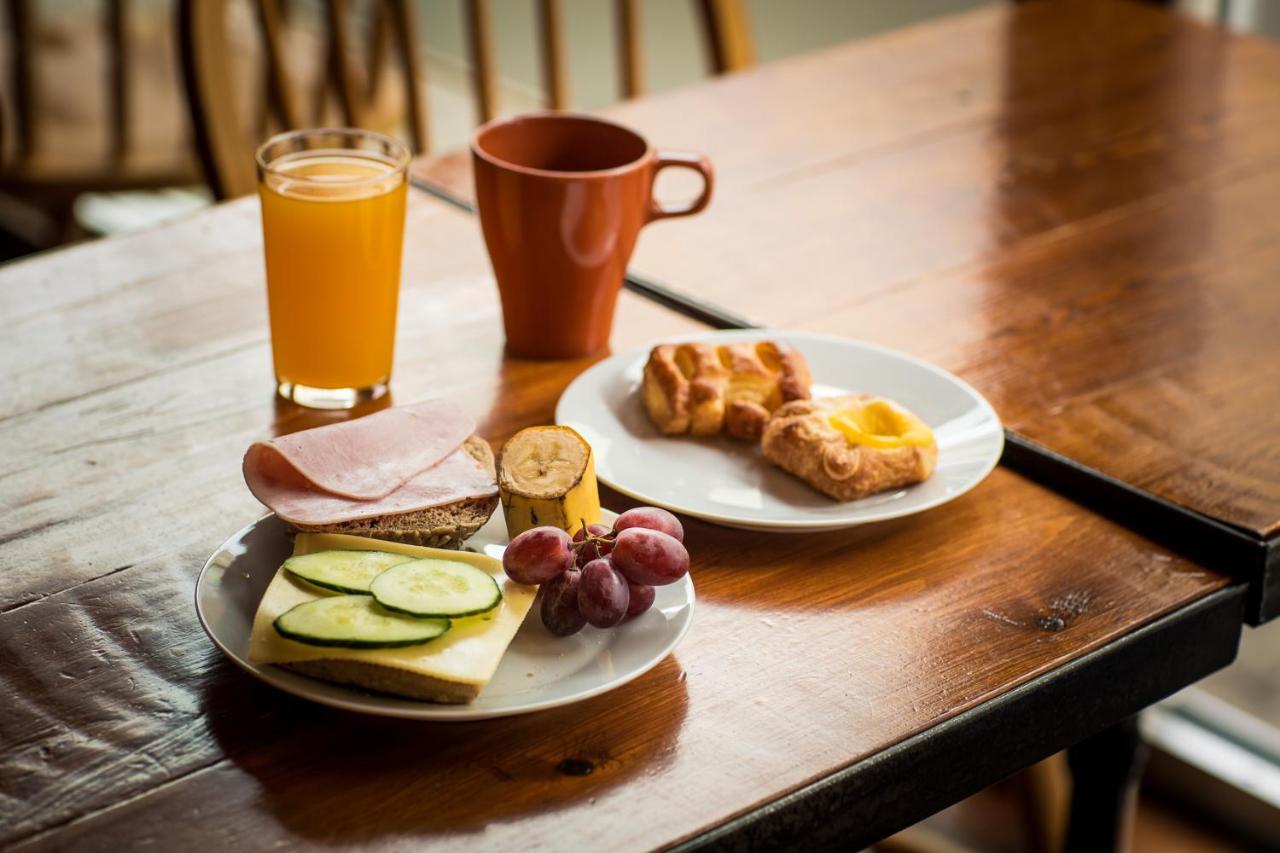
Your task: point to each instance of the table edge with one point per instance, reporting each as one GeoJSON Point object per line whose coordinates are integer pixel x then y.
{"type": "Point", "coordinates": [1200, 538]}
{"type": "Point", "coordinates": [858, 806]}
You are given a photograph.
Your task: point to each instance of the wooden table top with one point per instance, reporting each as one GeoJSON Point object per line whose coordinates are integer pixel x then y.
{"type": "Point", "coordinates": [1069, 204]}
{"type": "Point", "coordinates": [136, 370]}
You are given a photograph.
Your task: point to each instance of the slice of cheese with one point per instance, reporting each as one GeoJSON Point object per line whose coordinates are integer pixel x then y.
{"type": "Point", "coordinates": [468, 653]}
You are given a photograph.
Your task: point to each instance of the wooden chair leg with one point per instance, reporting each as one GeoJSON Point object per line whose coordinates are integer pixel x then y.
{"type": "Point", "coordinates": [918, 839]}
{"type": "Point", "coordinates": [117, 27]}
{"type": "Point", "coordinates": [342, 71]}
{"type": "Point", "coordinates": [551, 30]}
{"type": "Point", "coordinates": [62, 215]}
{"type": "Point", "coordinates": [630, 48]}
{"type": "Point", "coordinates": [1045, 792]}
{"type": "Point", "coordinates": [415, 94]}
{"type": "Point", "coordinates": [22, 75]}
{"type": "Point", "coordinates": [479, 18]}
{"type": "Point", "coordinates": [730, 45]}
{"type": "Point", "coordinates": [1105, 770]}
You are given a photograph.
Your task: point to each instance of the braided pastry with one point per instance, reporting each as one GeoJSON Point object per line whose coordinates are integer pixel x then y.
{"type": "Point", "coordinates": [700, 389]}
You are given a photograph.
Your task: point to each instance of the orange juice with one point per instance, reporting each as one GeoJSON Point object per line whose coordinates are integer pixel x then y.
{"type": "Point", "coordinates": [333, 227]}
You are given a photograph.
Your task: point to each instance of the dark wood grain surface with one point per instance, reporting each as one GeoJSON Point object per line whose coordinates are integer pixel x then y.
{"type": "Point", "coordinates": [136, 372]}
{"type": "Point", "coordinates": [1070, 204]}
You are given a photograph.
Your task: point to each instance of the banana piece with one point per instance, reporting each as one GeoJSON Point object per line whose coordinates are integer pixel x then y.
{"type": "Point", "coordinates": [547, 476]}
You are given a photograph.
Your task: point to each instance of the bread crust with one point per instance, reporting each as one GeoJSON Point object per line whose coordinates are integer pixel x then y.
{"type": "Point", "coordinates": [707, 380]}
{"type": "Point", "coordinates": [445, 526]}
{"type": "Point", "coordinates": [666, 391]}
{"type": "Point", "coordinates": [799, 439]}
{"type": "Point", "coordinates": [701, 389]}
{"type": "Point", "coordinates": [387, 679]}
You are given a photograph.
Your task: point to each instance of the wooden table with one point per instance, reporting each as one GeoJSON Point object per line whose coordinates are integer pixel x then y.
{"type": "Point", "coordinates": [1069, 204]}
{"type": "Point", "coordinates": [834, 688]}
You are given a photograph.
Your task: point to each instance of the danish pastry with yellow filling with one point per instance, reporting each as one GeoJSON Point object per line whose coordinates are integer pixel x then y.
{"type": "Point", "coordinates": [701, 389]}
{"type": "Point", "coordinates": [852, 446]}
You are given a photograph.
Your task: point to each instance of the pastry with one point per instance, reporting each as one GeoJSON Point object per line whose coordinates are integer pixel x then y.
{"type": "Point", "coordinates": [701, 389]}
{"type": "Point", "coordinates": [852, 446]}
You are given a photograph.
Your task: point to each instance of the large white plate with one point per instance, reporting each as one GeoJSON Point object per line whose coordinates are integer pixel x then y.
{"type": "Point", "coordinates": [731, 483]}
{"type": "Point", "coordinates": [538, 671]}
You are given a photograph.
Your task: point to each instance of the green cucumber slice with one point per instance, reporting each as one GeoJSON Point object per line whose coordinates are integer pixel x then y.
{"type": "Point", "coordinates": [355, 622]}
{"type": "Point", "coordinates": [343, 571]}
{"type": "Point", "coordinates": [436, 588]}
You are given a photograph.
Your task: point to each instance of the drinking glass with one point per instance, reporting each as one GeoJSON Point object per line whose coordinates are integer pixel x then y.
{"type": "Point", "coordinates": [333, 230]}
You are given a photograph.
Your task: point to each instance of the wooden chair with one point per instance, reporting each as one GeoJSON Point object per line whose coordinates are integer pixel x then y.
{"type": "Point", "coordinates": [225, 143]}
{"type": "Point", "coordinates": [226, 130]}
{"type": "Point", "coordinates": [56, 147]}
{"type": "Point", "coordinates": [724, 27]}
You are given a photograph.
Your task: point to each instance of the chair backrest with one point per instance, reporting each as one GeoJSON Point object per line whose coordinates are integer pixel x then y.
{"type": "Point", "coordinates": [725, 28]}
{"type": "Point", "coordinates": [22, 73]}
{"type": "Point", "coordinates": [728, 35]}
{"type": "Point", "coordinates": [223, 133]}
{"type": "Point", "coordinates": [224, 143]}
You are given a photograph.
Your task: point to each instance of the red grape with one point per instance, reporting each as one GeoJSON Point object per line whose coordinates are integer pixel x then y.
{"type": "Point", "coordinates": [560, 611]}
{"type": "Point", "coordinates": [592, 550]}
{"type": "Point", "coordinates": [642, 596]}
{"type": "Point", "coordinates": [649, 556]}
{"type": "Point", "coordinates": [603, 597]}
{"type": "Point", "coordinates": [652, 518]}
{"type": "Point", "coordinates": [538, 555]}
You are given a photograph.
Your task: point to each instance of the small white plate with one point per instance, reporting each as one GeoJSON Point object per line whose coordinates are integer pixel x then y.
{"type": "Point", "coordinates": [730, 482]}
{"type": "Point", "coordinates": [538, 671]}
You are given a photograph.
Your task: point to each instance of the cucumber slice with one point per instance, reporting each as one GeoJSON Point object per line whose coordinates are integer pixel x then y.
{"type": "Point", "coordinates": [343, 571]}
{"type": "Point", "coordinates": [355, 622]}
{"type": "Point", "coordinates": [436, 588]}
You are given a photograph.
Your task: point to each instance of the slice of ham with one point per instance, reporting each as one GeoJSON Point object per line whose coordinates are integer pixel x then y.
{"type": "Point", "coordinates": [296, 476]}
{"type": "Point", "coordinates": [457, 477]}
{"type": "Point", "coordinates": [372, 456]}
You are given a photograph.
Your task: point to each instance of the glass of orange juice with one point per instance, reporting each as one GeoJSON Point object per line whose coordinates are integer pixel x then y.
{"type": "Point", "coordinates": [333, 229]}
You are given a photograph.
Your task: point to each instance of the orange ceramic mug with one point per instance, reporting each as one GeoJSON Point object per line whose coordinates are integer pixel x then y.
{"type": "Point", "coordinates": [561, 200]}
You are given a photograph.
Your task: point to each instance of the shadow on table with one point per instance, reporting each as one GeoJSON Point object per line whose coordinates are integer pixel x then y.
{"type": "Point", "coordinates": [290, 417]}
{"type": "Point", "coordinates": [525, 391]}
{"type": "Point", "coordinates": [755, 570]}
{"type": "Point", "coordinates": [342, 778]}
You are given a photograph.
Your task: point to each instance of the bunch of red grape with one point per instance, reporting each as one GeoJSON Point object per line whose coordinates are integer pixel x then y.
{"type": "Point", "coordinates": [600, 576]}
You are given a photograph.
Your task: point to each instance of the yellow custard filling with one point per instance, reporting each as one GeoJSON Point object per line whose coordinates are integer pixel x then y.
{"type": "Point", "coordinates": [881, 425]}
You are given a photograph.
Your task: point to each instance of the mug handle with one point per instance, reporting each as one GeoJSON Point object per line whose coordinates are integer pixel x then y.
{"type": "Point", "coordinates": [683, 160]}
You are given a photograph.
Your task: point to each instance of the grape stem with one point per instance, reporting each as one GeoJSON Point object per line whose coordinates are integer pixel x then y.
{"type": "Point", "coordinates": [588, 536]}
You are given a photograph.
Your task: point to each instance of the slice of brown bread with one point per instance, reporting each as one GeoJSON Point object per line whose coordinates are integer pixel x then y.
{"type": "Point", "coordinates": [445, 526]}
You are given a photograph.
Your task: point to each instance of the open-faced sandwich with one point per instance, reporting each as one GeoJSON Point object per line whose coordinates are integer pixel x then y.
{"type": "Point", "coordinates": [425, 623]}
{"type": "Point", "coordinates": [415, 474]}
{"type": "Point", "coordinates": [380, 610]}
{"type": "Point", "coordinates": [386, 613]}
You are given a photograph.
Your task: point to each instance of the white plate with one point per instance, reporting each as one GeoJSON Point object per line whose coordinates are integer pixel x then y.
{"type": "Point", "coordinates": [731, 483]}
{"type": "Point", "coordinates": [538, 671]}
